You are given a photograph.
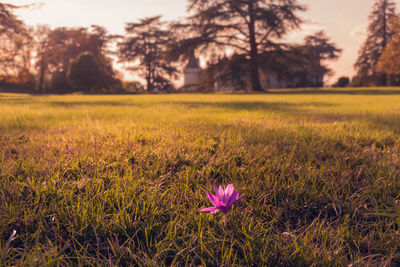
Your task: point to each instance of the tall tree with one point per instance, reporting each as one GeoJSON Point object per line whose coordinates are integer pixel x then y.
{"type": "Point", "coordinates": [389, 61]}
{"type": "Point", "coordinates": [247, 27]}
{"type": "Point", "coordinates": [41, 41]}
{"type": "Point", "coordinates": [378, 37]}
{"type": "Point", "coordinates": [144, 45]}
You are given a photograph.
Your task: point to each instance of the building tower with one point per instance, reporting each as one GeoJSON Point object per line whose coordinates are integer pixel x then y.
{"type": "Point", "coordinates": [192, 72]}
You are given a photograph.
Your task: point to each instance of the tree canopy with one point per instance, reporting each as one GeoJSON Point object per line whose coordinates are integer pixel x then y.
{"type": "Point", "coordinates": [9, 23]}
{"type": "Point", "coordinates": [58, 48]}
{"type": "Point", "coordinates": [13, 40]}
{"type": "Point", "coordinates": [143, 47]}
{"type": "Point", "coordinates": [295, 65]}
{"type": "Point", "coordinates": [85, 72]}
{"type": "Point", "coordinates": [247, 27]}
{"type": "Point", "coordinates": [319, 49]}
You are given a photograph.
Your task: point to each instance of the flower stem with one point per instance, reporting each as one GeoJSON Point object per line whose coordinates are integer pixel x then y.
{"type": "Point", "coordinates": [225, 220]}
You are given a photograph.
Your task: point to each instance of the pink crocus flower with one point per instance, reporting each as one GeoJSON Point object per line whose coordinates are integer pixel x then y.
{"type": "Point", "coordinates": [223, 199]}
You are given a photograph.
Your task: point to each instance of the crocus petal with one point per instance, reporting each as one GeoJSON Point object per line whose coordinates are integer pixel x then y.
{"type": "Point", "coordinates": [216, 191]}
{"type": "Point", "coordinates": [223, 195]}
{"type": "Point", "coordinates": [214, 200]}
{"type": "Point", "coordinates": [211, 209]}
{"type": "Point", "coordinates": [220, 191]}
{"type": "Point", "coordinates": [229, 189]}
{"type": "Point", "coordinates": [233, 199]}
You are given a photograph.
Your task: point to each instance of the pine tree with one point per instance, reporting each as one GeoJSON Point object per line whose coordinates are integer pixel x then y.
{"type": "Point", "coordinates": [379, 35]}
{"type": "Point", "coordinates": [389, 62]}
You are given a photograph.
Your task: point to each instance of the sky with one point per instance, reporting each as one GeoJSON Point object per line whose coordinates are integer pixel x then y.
{"type": "Point", "coordinates": [344, 21]}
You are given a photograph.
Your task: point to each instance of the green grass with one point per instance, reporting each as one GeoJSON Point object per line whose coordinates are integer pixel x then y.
{"type": "Point", "coordinates": [119, 180]}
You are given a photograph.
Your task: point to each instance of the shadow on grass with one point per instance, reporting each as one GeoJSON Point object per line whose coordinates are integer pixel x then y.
{"type": "Point", "coordinates": [16, 101]}
{"type": "Point", "coordinates": [253, 105]}
{"type": "Point", "coordinates": [304, 111]}
{"type": "Point", "coordinates": [92, 104]}
{"type": "Point", "coordinates": [383, 122]}
{"type": "Point", "coordinates": [355, 91]}
{"type": "Point", "coordinates": [232, 105]}
{"type": "Point", "coordinates": [66, 104]}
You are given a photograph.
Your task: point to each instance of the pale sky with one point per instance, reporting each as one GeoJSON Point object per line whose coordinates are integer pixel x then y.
{"type": "Point", "coordinates": [344, 21]}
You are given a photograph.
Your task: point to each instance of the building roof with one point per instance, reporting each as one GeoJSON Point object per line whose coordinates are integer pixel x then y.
{"type": "Point", "coordinates": [193, 63]}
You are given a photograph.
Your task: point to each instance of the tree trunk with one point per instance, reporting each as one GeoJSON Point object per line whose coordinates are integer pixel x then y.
{"type": "Point", "coordinates": [149, 86]}
{"type": "Point", "coordinates": [320, 82]}
{"type": "Point", "coordinates": [384, 41]}
{"type": "Point", "coordinates": [254, 69]}
{"type": "Point", "coordinates": [41, 76]}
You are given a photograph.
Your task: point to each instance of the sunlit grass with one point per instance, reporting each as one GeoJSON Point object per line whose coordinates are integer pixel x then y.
{"type": "Point", "coordinates": [120, 179]}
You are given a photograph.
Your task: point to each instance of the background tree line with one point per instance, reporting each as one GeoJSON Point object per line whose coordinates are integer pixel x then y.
{"type": "Point", "coordinates": [242, 43]}
{"type": "Point", "coordinates": [377, 63]}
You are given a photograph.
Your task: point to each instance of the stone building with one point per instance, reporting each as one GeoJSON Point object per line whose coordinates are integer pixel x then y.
{"type": "Point", "coordinates": [192, 73]}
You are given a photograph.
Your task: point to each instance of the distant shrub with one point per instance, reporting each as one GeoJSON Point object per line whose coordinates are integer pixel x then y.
{"type": "Point", "coordinates": [342, 82]}
{"type": "Point", "coordinates": [85, 73]}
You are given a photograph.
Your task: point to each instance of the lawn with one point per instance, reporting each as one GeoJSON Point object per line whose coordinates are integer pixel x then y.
{"type": "Point", "coordinates": [119, 179]}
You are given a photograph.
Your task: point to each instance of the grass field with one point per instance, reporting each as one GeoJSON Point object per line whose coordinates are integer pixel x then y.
{"type": "Point", "coordinates": [118, 180]}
